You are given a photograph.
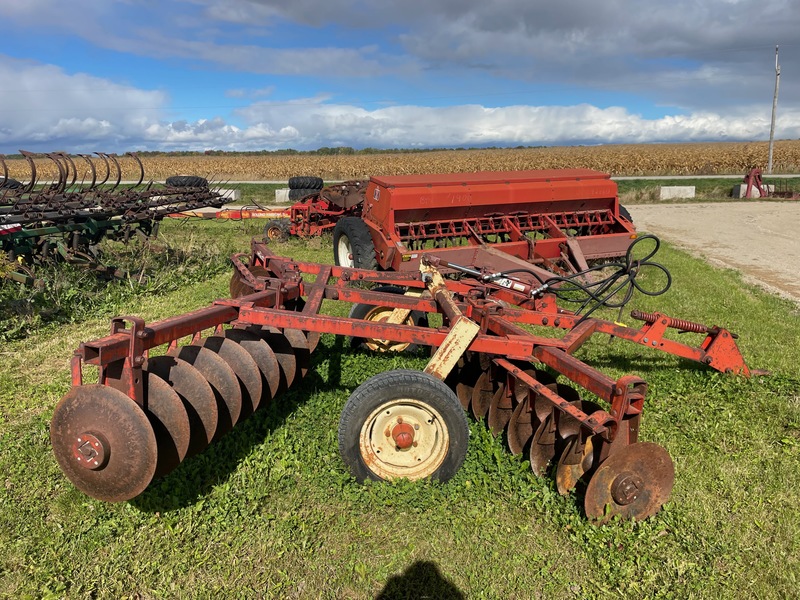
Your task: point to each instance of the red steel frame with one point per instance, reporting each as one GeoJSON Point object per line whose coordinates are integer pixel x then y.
{"type": "Point", "coordinates": [501, 314]}
{"type": "Point", "coordinates": [537, 216]}
{"type": "Point", "coordinates": [315, 215]}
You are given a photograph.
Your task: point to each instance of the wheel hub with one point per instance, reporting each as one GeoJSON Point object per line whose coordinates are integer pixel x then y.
{"type": "Point", "coordinates": [625, 488]}
{"type": "Point", "coordinates": [90, 451]}
{"type": "Point", "coordinates": [404, 438]}
{"type": "Point", "coordinates": [403, 435]}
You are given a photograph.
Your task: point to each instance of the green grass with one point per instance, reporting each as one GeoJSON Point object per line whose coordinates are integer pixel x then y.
{"type": "Point", "coordinates": [270, 510]}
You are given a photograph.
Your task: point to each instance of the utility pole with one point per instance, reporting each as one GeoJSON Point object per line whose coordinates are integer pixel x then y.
{"type": "Point", "coordinates": [774, 108]}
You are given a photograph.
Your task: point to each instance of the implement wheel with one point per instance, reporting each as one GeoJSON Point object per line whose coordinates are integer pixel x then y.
{"type": "Point", "coordinates": [403, 424]}
{"type": "Point", "coordinates": [352, 244]}
{"type": "Point", "coordinates": [277, 230]}
{"type": "Point", "coordinates": [378, 314]}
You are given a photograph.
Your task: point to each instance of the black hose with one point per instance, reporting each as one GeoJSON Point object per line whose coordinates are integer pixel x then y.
{"type": "Point", "coordinates": [593, 295]}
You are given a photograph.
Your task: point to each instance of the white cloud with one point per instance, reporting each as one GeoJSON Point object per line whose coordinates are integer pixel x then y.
{"type": "Point", "coordinates": [47, 105]}
{"type": "Point", "coordinates": [50, 109]}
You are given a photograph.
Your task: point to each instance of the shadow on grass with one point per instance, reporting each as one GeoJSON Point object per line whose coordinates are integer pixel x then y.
{"type": "Point", "coordinates": [198, 475]}
{"type": "Point", "coordinates": [651, 362]}
{"type": "Point", "coordinates": [420, 580]}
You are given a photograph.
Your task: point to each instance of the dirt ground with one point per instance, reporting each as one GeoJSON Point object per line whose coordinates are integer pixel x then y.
{"type": "Point", "coordinates": [760, 239]}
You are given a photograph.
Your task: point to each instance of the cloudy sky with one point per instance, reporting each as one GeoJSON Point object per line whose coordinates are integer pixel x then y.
{"type": "Point", "coordinates": [119, 75]}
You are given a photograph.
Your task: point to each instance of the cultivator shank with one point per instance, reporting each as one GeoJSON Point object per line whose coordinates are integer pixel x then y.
{"type": "Point", "coordinates": [148, 413]}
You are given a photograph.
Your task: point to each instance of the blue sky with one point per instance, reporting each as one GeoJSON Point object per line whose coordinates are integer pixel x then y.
{"type": "Point", "coordinates": [122, 75]}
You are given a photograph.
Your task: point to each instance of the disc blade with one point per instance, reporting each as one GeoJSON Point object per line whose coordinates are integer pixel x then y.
{"type": "Point", "coordinates": [265, 359]}
{"type": "Point", "coordinates": [299, 344]}
{"type": "Point", "coordinates": [482, 395]}
{"type": "Point", "coordinates": [575, 461]}
{"type": "Point", "coordinates": [104, 443]}
{"type": "Point", "coordinates": [520, 428]}
{"type": "Point", "coordinates": [169, 420]}
{"type": "Point", "coordinates": [499, 411]}
{"type": "Point", "coordinates": [633, 482]}
{"type": "Point", "coordinates": [543, 445]}
{"type": "Point", "coordinates": [568, 426]}
{"type": "Point", "coordinates": [196, 394]}
{"type": "Point", "coordinates": [242, 364]}
{"type": "Point", "coordinates": [224, 384]}
{"type": "Point", "coordinates": [239, 287]}
{"type": "Point", "coordinates": [467, 378]}
{"type": "Point", "coordinates": [284, 353]}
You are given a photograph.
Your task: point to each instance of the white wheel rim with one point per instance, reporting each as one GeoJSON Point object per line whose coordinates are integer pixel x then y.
{"type": "Point", "coordinates": [378, 315]}
{"type": "Point", "coordinates": [345, 252]}
{"type": "Point", "coordinates": [380, 452]}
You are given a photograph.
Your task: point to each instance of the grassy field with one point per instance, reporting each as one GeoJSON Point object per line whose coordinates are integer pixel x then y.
{"type": "Point", "coordinates": [270, 510]}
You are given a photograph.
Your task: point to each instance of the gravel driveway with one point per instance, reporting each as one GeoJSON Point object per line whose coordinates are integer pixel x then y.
{"type": "Point", "coordinates": [759, 239]}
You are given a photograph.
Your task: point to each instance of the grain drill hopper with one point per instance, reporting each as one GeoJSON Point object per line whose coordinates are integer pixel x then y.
{"type": "Point", "coordinates": [504, 352]}
{"type": "Point", "coordinates": [66, 218]}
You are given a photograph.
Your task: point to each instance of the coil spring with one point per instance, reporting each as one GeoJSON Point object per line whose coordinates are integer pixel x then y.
{"type": "Point", "coordinates": [680, 324]}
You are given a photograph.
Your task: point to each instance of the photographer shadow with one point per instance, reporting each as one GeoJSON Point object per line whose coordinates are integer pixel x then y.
{"type": "Point", "coordinates": [422, 580]}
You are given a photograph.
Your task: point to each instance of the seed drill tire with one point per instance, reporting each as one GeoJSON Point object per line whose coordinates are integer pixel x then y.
{"type": "Point", "coordinates": [353, 232]}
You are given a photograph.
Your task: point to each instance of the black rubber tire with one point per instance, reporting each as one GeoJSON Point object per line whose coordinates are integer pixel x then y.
{"type": "Point", "coordinates": [187, 181]}
{"type": "Point", "coordinates": [276, 230]}
{"type": "Point", "coordinates": [385, 390]}
{"type": "Point", "coordinates": [299, 194]}
{"type": "Point", "coordinates": [352, 233]}
{"type": "Point", "coordinates": [10, 184]}
{"type": "Point", "coordinates": [305, 183]}
{"type": "Point", "coordinates": [360, 311]}
{"type": "Point", "coordinates": [625, 214]}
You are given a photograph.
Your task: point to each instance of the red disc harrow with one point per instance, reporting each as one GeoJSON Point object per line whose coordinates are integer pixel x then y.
{"type": "Point", "coordinates": [492, 356]}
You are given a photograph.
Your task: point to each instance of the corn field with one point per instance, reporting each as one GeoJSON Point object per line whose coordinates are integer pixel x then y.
{"type": "Point", "coordinates": [619, 160]}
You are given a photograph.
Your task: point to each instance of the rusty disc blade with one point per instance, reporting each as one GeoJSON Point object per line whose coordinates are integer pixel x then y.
{"type": "Point", "coordinates": [283, 351]}
{"type": "Point", "coordinates": [499, 410]}
{"type": "Point", "coordinates": [104, 443]}
{"type": "Point", "coordinates": [543, 445]}
{"type": "Point", "coordinates": [521, 388]}
{"type": "Point", "coordinates": [169, 420]}
{"type": "Point", "coordinates": [264, 357]}
{"type": "Point", "coordinates": [223, 382]}
{"type": "Point", "coordinates": [245, 368]}
{"type": "Point", "coordinates": [577, 456]}
{"type": "Point", "coordinates": [576, 462]}
{"type": "Point", "coordinates": [302, 353]}
{"type": "Point", "coordinates": [633, 483]}
{"type": "Point", "coordinates": [196, 394]}
{"type": "Point", "coordinates": [482, 395]}
{"type": "Point", "coordinates": [239, 288]}
{"type": "Point", "coordinates": [468, 376]}
{"type": "Point", "coordinates": [312, 337]}
{"type": "Point", "coordinates": [568, 426]}
{"type": "Point", "coordinates": [520, 428]}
